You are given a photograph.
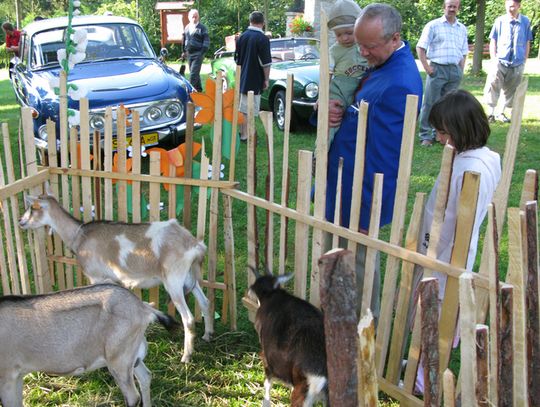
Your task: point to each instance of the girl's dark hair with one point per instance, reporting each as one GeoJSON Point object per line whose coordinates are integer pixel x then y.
{"type": "Point", "coordinates": [460, 115]}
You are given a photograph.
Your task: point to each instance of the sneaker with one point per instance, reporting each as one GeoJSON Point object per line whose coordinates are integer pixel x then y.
{"type": "Point", "coordinates": [491, 118]}
{"type": "Point", "coordinates": [426, 143]}
{"type": "Point", "coordinates": [502, 118]}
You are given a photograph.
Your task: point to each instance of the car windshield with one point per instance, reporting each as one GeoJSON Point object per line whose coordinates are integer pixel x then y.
{"type": "Point", "coordinates": [292, 49]}
{"type": "Point", "coordinates": [105, 41]}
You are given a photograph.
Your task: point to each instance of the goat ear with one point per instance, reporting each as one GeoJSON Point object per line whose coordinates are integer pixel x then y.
{"type": "Point", "coordinates": [280, 280]}
{"type": "Point", "coordinates": [29, 199]}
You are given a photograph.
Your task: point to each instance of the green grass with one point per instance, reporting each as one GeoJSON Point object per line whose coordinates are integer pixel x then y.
{"type": "Point", "coordinates": [227, 372]}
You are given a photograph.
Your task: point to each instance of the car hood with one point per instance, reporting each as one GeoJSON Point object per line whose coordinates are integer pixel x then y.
{"type": "Point", "coordinates": [303, 70]}
{"type": "Point", "coordinates": [112, 82]}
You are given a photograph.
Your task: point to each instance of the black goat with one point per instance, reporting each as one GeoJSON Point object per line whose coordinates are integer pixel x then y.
{"type": "Point", "coordinates": [291, 333]}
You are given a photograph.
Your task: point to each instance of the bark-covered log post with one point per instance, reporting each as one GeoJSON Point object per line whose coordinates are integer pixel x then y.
{"type": "Point", "coordinates": [429, 297]}
{"type": "Point", "coordinates": [506, 354]}
{"type": "Point", "coordinates": [338, 302]}
{"type": "Point", "coordinates": [531, 299]}
{"type": "Point", "coordinates": [482, 365]}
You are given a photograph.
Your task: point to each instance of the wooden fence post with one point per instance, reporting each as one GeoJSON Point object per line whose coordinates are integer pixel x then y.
{"type": "Point", "coordinates": [467, 320]}
{"type": "Point", "coordinates": [368, 389]}
{"type": "Point", "coordinates": [338, 302]}
{"type": "Point", "coordinates": [429, 297]}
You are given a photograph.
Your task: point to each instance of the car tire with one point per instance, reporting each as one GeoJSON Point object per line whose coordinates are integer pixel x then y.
{"type": "Point", "coordinates": [279, 110]}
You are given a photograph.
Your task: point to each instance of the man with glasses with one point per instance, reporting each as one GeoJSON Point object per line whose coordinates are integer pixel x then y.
{"type": "Point", "coordinates": [509, 48]}
{"type": "Point", "coordinates": [392, 75]}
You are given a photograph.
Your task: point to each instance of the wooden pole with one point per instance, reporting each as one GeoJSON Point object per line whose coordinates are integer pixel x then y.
{"type": "Point", "coordinates": [234, 127]}
{"type": "Point", "coordinates": [337, 209]}
{"type": "Point", "coordinates": [301, 238]}
{"type": "Point", "coordinates": [529, 191]}
{"type": "Point", "coordinates": [188, 163]}
{"type": "Point", "coordinates": [449, 389]}
{"type": "Point", "coordinates": [506, 356]}
{"type": "Point", "coordinates": [321, 157]}
{"type": "Point", "coordinates": [285, 175]}
{"type": "Point", "coordinates": [467, 321]}
{"type": "Point", "coordinates": [532, 293]}
{"type": "Point", "coordinates": [492, 246]}
{"type": "Point", "coordinates": [338, 303]}
{"type": "Point", "coordinates": [397, 227]}
{"type": "Point", "coordinates": [429, 296]}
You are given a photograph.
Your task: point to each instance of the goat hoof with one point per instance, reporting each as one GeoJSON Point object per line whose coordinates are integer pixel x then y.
{"type": "Point", "coordinates": [186, 358]}
{"type": "Point", "coordinates": [207, 336]}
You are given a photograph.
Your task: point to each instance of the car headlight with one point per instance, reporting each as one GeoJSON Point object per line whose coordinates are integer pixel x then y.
{"type": "Point", "coordinates": [42, 132]}
{"type": "Point", "coordinates": [97, 122]}
{"type": "Point", "coordinates": [153, 114]}
{"type": "Point", "coordinates": [312, 90]}
{"type": "Point", "coordinates": [173, 110]}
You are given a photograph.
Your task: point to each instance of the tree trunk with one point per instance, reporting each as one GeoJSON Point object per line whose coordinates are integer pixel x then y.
{"type": "Point", "coordinates": [479, 36]}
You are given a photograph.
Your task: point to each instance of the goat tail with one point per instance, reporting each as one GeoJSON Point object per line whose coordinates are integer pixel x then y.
{"type": "Point", "coordinates": [170, 324]}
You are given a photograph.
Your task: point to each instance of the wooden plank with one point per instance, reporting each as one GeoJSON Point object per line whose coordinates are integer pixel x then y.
{"type": "Point", "coordinates": [358, 173]}
{"type": "Point", "coordinates": [404, 398]}
{"type": "Point", "coordinates": [267, 120]}
{"type": "Point", "coordinates": [401, 329]}
{"type": "Point", "coordinates": [188, 163]}
{"type": "Point", "coordinates": [9, 268]}
{"type": "Point", "coordinates": [321, 157]}
{"type": "Point", "coordinates": [214, 193]}
{"type": "Point", "coordinates": [492, 246]}
{"type": "Point", "coordinates": [467, 321]}
{"type": "Point", "coordinates": [136, 167]}
{"type": "Point", "coordinates": [397, 227]}
{"type": "Point", "coordinates": [368, 390]}
{"type": "Point", "coordinates": [449, 389]}
{"type": "Point", "coordinates": [285, 176]}
{"type": "Point", "coordinates": [121, 152]}
{"type": "Point", "coordinates": [482, 365]}
{"type": "Point", "coordinates": [75, 200]}
{"type": "Point", "coordinates": [143, 177]}
{"type": "Point", "coordinates": [66, 180]}
{"type": "Point", "coordinates": [393, 250]}
{"type": "Point", "coordinates": [301, 238]}
{"type": "Point", "coordinates": [371, 254]}
{"type": "Point", "coordinates": [86, 182]}
{"type": "Point", "coordinates": [96, 151]}
{"type": "Point", "coordinates": [337, 209]}
{"type": "Point", "coordinates": [532, 293]}
{"type": "Point", "coordinates": [234, 125]}
{"type": "Point", "coordinates": [506, 383]}
{"type": "Point", "coordinates": [22, 184]}
{"type": "Point", "coordinates": [429, 297]}
{"type": "Point", "coordinates": [516, 276]}
{"type": "Point", "coordinates": [529, 191]}
{"type": "Point", "coordinates": [441, 198]}
{"type": "Point", "coordinates": [41, 269]}
{"type": "Point", "coordinates": [154, 190]}
{"type": "Point", "coordinates": [107, 164]}
{"type": "Point", "coordinates": [252, 260]}
{"type": "Point", "coordinates": [338, 303]}
{"type": "Point", "coordinates": [230, 270]}
{"type": "Point", "coordinates": [464, 225]}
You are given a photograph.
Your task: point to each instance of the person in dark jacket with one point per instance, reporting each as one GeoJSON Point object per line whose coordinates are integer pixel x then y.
{"type": "Point", "coordinates": [254, 57]}
{"type": "Point", "coordinates": [196, 43]}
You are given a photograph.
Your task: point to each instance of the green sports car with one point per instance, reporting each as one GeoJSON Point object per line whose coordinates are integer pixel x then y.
{"type": "Point", "coordinates": [298, 56]}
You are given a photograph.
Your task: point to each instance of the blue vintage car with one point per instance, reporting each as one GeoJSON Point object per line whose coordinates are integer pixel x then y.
{"type": "Point", "coordinates": [120, 67]}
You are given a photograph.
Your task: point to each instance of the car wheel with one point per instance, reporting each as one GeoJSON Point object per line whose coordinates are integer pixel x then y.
{"type": "Point", "coordinates": [279, 111]}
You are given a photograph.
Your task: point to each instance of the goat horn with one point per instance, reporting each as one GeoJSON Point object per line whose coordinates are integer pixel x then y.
{"type": "Point", "coordinates": [254, 271]}
{"type": "Point", "coordinates": [284, 278]}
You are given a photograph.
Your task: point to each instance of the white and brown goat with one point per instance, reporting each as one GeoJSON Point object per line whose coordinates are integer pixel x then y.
{"type": "Point", "coordinates": [291, 333]}
{"type": "Point", "coordinates": [135, 255]}
{"type": "Point", "coordinates": [76, 331]}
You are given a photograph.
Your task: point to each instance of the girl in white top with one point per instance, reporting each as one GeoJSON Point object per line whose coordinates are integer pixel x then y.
{"type": "Point", "coordinates": [459, 120]}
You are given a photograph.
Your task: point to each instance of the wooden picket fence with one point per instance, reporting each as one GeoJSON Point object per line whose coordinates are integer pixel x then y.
{"type": "Point", "coordinates": [499, 363]}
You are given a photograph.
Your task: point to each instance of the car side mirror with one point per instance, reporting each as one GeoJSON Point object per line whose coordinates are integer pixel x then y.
{"type": "Point", "coordinates": [163, 53]}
